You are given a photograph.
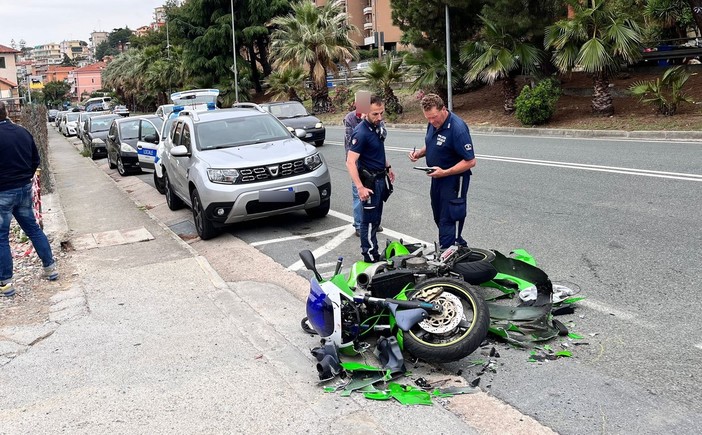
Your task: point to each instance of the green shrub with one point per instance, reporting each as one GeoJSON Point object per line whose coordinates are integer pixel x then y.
{"type": "Point", "coordinates": [535, 106]}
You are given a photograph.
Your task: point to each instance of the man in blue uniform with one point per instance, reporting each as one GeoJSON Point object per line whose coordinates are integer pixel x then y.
{"type": "Point", "coordinates": [368, 167]}
{"type": "Point", "coordinates": [19, 159]}
{"type": "Point", "coordinates": [448, 149]}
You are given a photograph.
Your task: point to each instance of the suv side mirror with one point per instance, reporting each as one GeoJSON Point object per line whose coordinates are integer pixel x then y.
{"type": "Point", "coordinates": [180, 151]}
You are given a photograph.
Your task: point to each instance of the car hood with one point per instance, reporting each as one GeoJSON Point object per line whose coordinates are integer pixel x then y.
{"type": "Point", "coordinates": [301, 122]}
{"type": "Point", "coordinates": [257, 154]}
{"type": "Point", "coordinates": [99, 135]}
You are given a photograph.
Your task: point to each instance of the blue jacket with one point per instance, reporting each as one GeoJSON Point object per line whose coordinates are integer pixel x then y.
{"type": "Point", "coordinates": [19, 157]}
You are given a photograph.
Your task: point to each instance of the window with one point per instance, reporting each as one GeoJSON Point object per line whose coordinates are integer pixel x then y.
{"type": "Point", "coordinates": [147, 129]}
{"type": "Point", "coordinates": [2, 62]}
{"type": "Point", "coordinates": [186, 137]}
{"type": "Point", "coordinates": [178, 128]}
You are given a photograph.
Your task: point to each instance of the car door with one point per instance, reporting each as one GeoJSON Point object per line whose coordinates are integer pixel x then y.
{"type": "Point", "coordinates": [147, 143]}
{"type": "Point", "coordinates": [113, 142]}
{"type": "Point", "coordinates": [183, 163]}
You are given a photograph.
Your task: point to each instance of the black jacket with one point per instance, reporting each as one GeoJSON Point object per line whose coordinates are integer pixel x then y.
{"type": "Point", "coordinates": [19, 157]}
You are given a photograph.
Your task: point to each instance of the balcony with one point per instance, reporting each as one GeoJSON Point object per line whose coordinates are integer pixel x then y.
{"type": "Point", "coordinates": [367, 10]}
{"type": "Point", "coordinates": [367, 26]}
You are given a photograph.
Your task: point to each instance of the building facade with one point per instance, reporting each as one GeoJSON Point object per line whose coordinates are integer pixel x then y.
{"type": "Point", "coordinates": [96, 38]}
{"type": "Point", "coordinates": [8, 72]}
{"type": "Point", "coordinates": [371, 17]}
{"type": "Point", "coordinates": [45, 55]}
{"type": "Point", "coordinates": [74, 49]}
{"type": "Point", "coordinates": [85, 80]}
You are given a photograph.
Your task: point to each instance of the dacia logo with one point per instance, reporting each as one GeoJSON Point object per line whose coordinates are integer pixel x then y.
{"type": "Point", "coordinates": [273, 170]}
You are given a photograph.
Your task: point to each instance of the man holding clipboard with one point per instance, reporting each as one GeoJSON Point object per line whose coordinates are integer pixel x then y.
{"type": "Point", "coordinates": [448, 149]}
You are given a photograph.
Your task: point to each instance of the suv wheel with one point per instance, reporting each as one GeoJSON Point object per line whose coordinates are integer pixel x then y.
{"type": "Point", "coordinates": [319, 143]}
{"type": "Point", "coordinates": [319, 211]}
{"type": "Point", "coordinates": [174, 203]}
{"type": "Point", "coordinates": [204, 226]}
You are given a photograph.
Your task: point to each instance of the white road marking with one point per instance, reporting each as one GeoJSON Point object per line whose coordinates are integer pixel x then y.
{"type": "Point", "coordinates": [620, 314]}
{"type": "Point", "coordinates": [301, 236]}
{"type": "Point", "coordinates": [582, 166]}
{"type": "Point", "coordinates": [333, 243]}
{"type": "Point", "coordinates": [698, 346]}
{"type": "Point", "coordinates": [386, 231]}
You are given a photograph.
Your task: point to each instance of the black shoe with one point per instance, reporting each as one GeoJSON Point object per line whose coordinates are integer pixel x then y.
{"type": "Point", "coordinates": [358, 233]}
{"type": "Point", "coordinates": [380, 229]}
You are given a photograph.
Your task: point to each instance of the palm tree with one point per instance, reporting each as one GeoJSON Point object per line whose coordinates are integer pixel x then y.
{"type": "Point", "coordinates": [597, 39]}
{"type": "Point", "coordinates": [314, 38]}
{"type": "Point", "coordinates": [288, 84]}
{"type": "Point", "coordinates": [497, 55]}
{"type": "Point", "coordinates": [429, 68]}
{"type": "Point", "coordinates": [381, 75]}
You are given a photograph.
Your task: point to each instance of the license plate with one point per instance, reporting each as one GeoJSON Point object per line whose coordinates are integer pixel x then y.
{"type": "Point", "coordinates": [277, 195]}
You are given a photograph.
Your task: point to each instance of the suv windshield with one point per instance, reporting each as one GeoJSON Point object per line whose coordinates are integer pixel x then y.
{"type": "Point", "coordinates": [234, 132]}
{"type": "Point", "coordinates": [288, 110]}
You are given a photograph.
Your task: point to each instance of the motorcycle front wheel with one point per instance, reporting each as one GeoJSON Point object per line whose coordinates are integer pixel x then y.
{"type": "Point", "coordinates": [454, 333]}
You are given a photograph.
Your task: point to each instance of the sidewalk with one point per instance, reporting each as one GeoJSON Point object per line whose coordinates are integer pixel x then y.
{"type": "Point", "coordinates": [148, 338]}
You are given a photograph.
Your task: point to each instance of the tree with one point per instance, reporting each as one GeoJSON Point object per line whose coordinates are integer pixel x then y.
{"type": "Point", "coordinates": [55, 93]}
{"type": "Point", "coordinates": [314, 38]}
{"type": "Point", "coordinates": [696, 8]}
{"type": "Point", "coordinates": [497, 55]}
{"type": "Point", "coordinates": [599, 40]}
{"type": "Point", "coordinates": [665, 93]}
{"type": "Point", "coordinates": [67, 61]}
{"type": "Point", "coordinates": [423, 22]}
{"type": "Point", "coordinates": [429, 68]}
{"type": "Point", "coordinates": [381, 75]}
{"type": "Point", "coordinates": [288, 84]}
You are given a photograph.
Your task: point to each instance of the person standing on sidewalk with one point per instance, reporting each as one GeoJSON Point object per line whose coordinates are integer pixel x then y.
{"type": "Point", "coordinates": [371, 174]}
{"type": "Point", "coordinates": [351, 120]}
{"type": "Point", "coordinates": [448, 148]}
{"type": "Point", "coordinates": [19, 160]}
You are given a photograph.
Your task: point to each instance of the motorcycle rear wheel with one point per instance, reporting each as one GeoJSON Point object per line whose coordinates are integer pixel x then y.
{"type": "Point", "coordinates": [457, 331]}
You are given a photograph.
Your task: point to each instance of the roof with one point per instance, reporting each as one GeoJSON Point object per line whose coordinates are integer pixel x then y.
{"type": "Point", "coordinates": [59, 69]}
{"type": "Point", "coordinates": [5, 49]}
{"type": "Point", "coordinates": [8, 83]}
{"type": "Point", "coordinates": [93, 67]}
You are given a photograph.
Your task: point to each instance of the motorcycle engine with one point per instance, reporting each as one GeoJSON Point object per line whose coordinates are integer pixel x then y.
{"type": "Point", "coordinates": [417, 263]}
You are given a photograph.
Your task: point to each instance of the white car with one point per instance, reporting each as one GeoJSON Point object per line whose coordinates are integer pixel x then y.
{"type": "Point", "coordinates": [69, 126]}
{"type": "Point", "coordinates": [193, 100]}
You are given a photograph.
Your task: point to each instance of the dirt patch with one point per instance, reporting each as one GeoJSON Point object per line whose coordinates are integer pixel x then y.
{"type": "Point", "coordinates": [32, 300]}
{"type": "Point", "coordinates": [484, 106]}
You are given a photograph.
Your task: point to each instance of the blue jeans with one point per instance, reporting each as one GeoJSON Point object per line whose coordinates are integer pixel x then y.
{"type": "Point", "coordinates": [357, 207]}
{"type": "Point", "coordinates": [370, 221]}
{"type": "Point", "coordinates": [18, 203]}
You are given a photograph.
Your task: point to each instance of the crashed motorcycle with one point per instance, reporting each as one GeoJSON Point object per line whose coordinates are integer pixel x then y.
{"type": "Point", "coordinates": [411, 300]}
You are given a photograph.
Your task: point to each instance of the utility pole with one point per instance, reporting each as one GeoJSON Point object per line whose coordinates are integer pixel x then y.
{"type": "Point", "coordinates": [234, 69]}
{"type": "Point", "coordinates": [449, 89]}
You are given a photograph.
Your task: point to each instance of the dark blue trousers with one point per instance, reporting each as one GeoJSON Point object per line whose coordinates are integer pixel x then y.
{"type": "Point", "coordinates": [370, 221]}
{"type": "Point", "coordinates": [449, 210]}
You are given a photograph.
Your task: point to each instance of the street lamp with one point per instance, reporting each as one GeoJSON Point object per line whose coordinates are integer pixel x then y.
{"type": "Point", "coordinates": [234, 69]}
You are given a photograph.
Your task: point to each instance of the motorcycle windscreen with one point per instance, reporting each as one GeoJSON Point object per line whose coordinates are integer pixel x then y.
{"type": "Point", "coordinates": [320, 310]}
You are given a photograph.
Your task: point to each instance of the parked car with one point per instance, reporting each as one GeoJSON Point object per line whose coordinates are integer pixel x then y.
{"type": "Point", "coordinates": [98, 104]}
{"type": "Point", "coordinates": [294, 115]}
{"type": "Point", "coordinates": [238, 164]}
{"type": "Point", "coordinates": [82, 117]}
{"type": "Point", "coordinates": [121, 111]}
{"type": "Point", "coordinates": [69, 124]}
{"type": "Point", "coordinates": [132, 142]}
{"type": "Point", "coordinates": [51, 115]}
{"type": "Point", "coordinates": [59, 117]}
{"type": "Point", "coordinates": [95, 131]}
{"type": "Point", "coordinates": [194, 99]}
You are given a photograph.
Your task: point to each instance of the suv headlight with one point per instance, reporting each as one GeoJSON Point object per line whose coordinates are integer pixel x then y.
{"type": "Point", "coordinates": [223, 176]}
{"type": "Point", "coordinates": [313, 162]}
{"type": "Point", "coordinates": [318, 125]}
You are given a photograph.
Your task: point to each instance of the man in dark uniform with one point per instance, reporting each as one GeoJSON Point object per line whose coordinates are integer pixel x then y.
{"type": "Point", "coordinates": [448, 149]}
{"type": "Point", "coordinates": [368, 167]}
{"type": "Point", "coordinates": [19, 159]}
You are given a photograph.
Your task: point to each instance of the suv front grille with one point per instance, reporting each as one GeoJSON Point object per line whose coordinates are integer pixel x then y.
{"type": "Point", "coordinates": [273, 172]}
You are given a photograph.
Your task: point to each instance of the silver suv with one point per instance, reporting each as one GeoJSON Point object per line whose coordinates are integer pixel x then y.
{"type": "Point", "coordinates": [238, 164]}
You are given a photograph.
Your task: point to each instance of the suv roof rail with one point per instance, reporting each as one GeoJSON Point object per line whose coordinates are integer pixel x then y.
{"type": "Point", "coordinates": [248, 106]}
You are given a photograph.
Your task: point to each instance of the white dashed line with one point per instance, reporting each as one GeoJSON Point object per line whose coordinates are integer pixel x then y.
{"type": "Point", "coordinates": [301, 236]}
{"type": "Point", "coordinates": [619, 314]}
{"type": "Point", "coordinates": [333, 243]}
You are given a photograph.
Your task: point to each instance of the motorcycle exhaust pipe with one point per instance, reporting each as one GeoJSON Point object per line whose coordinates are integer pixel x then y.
{"type": "Point", "coordinates": [364, 278]}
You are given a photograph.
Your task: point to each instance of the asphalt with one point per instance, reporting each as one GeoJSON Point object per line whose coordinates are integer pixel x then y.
{"type": "Point", "coordinates": [150, 333]}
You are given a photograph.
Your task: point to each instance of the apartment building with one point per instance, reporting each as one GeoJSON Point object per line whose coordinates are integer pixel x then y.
{"type": "Point", "coordinates": [74, 49]}
{"type": "Point", "coordinates": [96, 38]}
{"type": "Point", "coordinates": [8, 73]}
{"type": "Point", "coordinates": [45, 55]}
{"type": "Point", "coordinates": [86, 80]}
{"type": "Point", "coordinates": [58, 73]}
{"type": "Point", "coordinates": [371, 17]}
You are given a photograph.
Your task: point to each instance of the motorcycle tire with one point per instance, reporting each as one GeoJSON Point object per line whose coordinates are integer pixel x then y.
{"type": "Point", "coordinates": [445, 337]}
{"type": "Point", "coordinates": [477, 254]}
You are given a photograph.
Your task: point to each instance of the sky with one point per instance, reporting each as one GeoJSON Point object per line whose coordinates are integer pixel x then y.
{"type": "Point", "coordinates": [43, 21]}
